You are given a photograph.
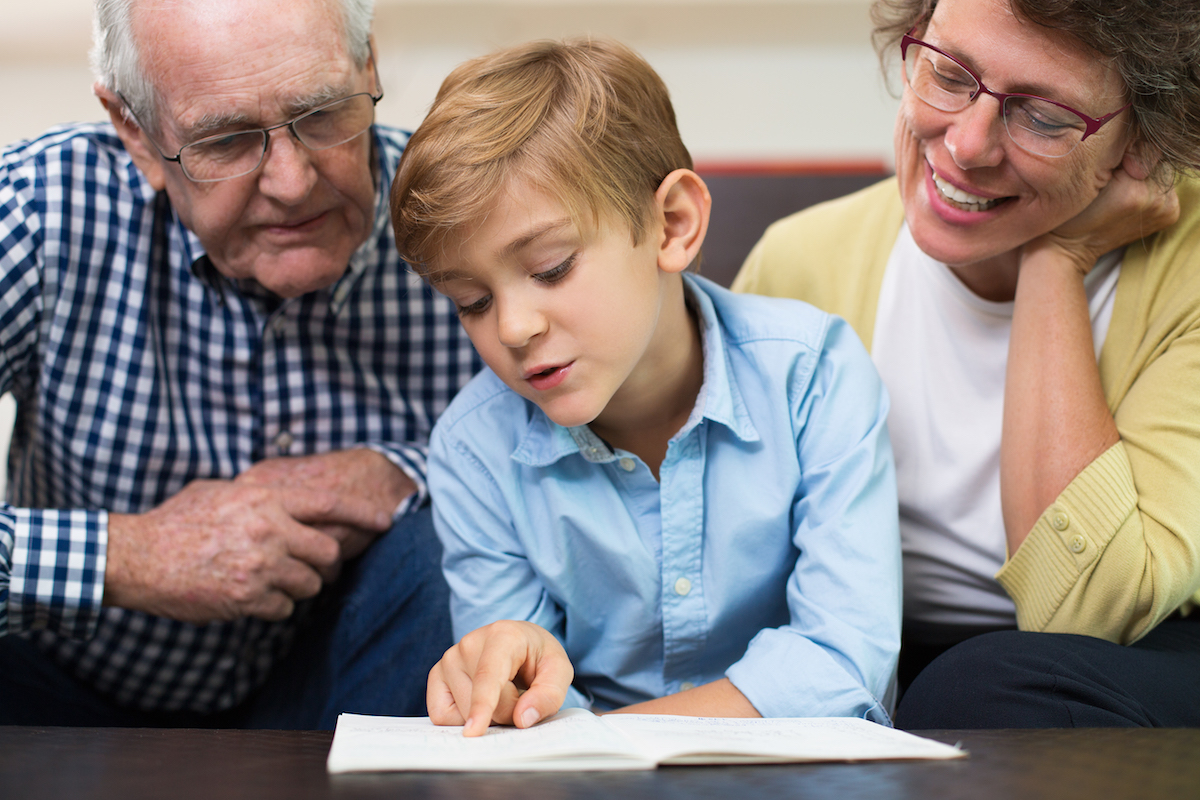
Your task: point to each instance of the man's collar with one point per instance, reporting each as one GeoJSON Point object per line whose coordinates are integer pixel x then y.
{"type": "Point", "coordinates": [720, 399]}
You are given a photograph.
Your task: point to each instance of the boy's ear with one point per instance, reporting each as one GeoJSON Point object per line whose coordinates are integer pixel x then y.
{"type": "Point", "coordinates": [133, 137]}
{"type": "Point", "coordinates": [683, 206]}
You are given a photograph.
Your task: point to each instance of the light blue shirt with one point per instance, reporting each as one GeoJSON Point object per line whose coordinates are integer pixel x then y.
{"type": "Point", "coordinates": [768, 554]}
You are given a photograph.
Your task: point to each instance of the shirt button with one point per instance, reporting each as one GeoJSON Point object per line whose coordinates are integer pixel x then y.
{"type": "Point", "coordinates": [683, 586]}
{"type": "Point", "coordinates": [1060, 521]}
{"type": "Point", "coordinates": [683, 687]}
{"type": "Point", "coordinates": [279, 324]}
{"type": "Point", "coordinates": [628, 464]}
{"type": "Point", "coordinates": [284, 441]}
{"type": "Point", "coordinates": [1077, 544]}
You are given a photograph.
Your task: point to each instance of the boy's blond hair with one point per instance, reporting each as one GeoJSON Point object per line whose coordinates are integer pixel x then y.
{"type": "Point", "coordinates": [587, 121]}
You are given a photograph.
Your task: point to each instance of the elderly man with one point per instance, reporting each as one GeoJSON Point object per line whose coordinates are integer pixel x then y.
{"type": "Point", "coordinates": [225, 378]}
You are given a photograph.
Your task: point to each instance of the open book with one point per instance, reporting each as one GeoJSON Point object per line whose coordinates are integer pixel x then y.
{"type": "Point", "coordinates": [576, 739]}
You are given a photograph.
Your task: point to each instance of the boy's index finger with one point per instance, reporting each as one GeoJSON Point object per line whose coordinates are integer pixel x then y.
{"type": "Point", "coordinates": [494, 671]}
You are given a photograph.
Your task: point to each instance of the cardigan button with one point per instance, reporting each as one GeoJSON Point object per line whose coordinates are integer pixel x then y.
{"type": "Point", "coordinates": [1060, 521]}
{"type": "Point", "coordinates": [1077, 544]}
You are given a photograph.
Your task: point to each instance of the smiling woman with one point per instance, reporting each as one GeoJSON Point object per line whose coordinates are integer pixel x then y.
{"type": "Point", "coordinates": [1041, 346]}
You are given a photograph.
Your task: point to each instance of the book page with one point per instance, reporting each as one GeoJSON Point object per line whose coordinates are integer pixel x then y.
{"type": "Point", "coordinates": [573, 739]}
{"type": "Point", "coordinates": [709, 740]}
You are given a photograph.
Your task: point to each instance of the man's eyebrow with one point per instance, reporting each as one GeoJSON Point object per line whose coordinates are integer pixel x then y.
{"type": "Point", "coordinates": [320, 97]}
{"type": "Point", "coordinates": [214, 123]}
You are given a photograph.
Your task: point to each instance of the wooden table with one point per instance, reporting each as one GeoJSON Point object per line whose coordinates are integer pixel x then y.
{"type": "Point", "coordinates": [130, 764]}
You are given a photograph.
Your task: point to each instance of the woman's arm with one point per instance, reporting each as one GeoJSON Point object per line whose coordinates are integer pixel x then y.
{"type": "Point", "coordinates": [1111, 546]}
{"type": "Point", "coordinates": [1056, 418]}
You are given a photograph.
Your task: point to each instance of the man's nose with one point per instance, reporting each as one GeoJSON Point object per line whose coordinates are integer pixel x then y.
{"type": "Point", "coordinates": [288, 171]}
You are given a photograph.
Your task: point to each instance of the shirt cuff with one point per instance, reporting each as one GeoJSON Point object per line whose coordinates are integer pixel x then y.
{"type": "Point", "coordinates": [1069, 538]}
{"type": "Point", "coordinates": [784, 674]}
{"type": "Point", "coordinates": [412, 460]}
{"type": "Point", "coordinates": [56, 578]}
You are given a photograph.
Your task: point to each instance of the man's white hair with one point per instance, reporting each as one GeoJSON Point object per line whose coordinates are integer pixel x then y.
{"type": "Point", "coordinates": [116, 61]}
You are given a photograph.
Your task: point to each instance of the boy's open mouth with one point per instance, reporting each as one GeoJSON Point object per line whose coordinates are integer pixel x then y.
{"type": "Point", "coordinates": [547, 377]}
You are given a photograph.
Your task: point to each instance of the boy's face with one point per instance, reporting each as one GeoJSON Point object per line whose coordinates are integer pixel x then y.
{"type": "Point", "coordinates": [567, 318]}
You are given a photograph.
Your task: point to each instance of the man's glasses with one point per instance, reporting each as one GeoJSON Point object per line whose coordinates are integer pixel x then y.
{"type": "Point", "coordinates": [238, 153]}
{"type": "Point", "coordinates": [1036, 125]}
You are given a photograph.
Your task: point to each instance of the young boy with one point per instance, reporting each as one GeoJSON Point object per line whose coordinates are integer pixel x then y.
{"type": "Point", "coordinates": [660, 496]}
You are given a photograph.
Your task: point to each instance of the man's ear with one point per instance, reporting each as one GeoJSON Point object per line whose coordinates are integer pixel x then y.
{"type": "Point", "coordinates": [145, 156]}
{"type": "Point", "coordinates": [1140, 159]}
{"type": "Point", "coordinates": [683, 206]}
{"type": "Point", "coordinates": [373, 63]}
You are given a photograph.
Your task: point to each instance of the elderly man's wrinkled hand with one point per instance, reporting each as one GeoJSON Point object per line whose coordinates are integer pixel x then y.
{"type": "Point", "coordinates": [221, 550]}
{"type": "Point", "coordinates": [1127, 209]}
{"type": "Point", "coordinates": [369, 488]}
{"type": "Point", "coordinates": [509, 672]}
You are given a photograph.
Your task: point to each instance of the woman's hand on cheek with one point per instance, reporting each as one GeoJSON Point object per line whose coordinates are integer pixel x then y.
{"type": "Point", "coordinates": [509, 672]}
{"type": "Point", "coordinates": [1127, 209]}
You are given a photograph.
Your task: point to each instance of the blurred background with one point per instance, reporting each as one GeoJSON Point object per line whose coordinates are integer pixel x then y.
{"type": "Point", "coordinates": [780, 101]}
{"type": "Point", "coordinates": [752, 80]}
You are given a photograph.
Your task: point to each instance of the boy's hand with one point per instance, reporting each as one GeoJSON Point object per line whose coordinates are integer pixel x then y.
{"type": "Point", "coordinates": [509, 672]}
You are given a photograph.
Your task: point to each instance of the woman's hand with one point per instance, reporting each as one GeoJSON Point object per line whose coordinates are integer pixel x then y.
{"type": "Point", "coordinates": [1127, 209]}
{"type": "Point", "coordinates": [509, 672]}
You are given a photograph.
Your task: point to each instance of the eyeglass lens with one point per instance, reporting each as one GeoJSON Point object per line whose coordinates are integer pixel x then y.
{"type": "Point", "coordinates": [235, 154]}
{"type": "Point", "coordinates": [1036, 126]}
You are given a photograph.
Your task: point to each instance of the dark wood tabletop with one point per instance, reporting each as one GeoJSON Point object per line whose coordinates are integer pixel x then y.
{"type": "Point", "coordinates": [130, 764]}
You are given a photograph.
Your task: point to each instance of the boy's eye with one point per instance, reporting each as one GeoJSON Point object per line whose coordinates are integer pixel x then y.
{"type": "Point", "coordinates": [557, 273]}
{"type": "Point", "coordinates": [478, 307]}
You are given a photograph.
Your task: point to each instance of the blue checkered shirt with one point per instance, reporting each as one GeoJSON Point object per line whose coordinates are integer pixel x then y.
{"type": "Point", "coordinates": [138, 368]}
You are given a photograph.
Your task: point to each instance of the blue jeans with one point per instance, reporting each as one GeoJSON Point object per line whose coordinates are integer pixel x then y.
{"type": "Point", "coordinates": [366, 647]}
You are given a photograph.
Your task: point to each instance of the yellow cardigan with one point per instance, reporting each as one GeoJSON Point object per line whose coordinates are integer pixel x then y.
{"type": "Point", "coordinates": [1119, 549]}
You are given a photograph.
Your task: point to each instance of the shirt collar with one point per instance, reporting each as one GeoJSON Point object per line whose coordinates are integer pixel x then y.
{"type": "Point", "coordinates": [719, 400]}
{"type": "Point", "coordinates": [386, 160]}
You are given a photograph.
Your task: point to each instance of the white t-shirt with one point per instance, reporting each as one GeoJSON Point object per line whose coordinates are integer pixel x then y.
{"type": "Point", "coordinates": [942, 352]}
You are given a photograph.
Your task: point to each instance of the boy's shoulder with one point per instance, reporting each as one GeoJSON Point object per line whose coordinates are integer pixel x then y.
{"type": "Point", "coordinates": [749, 318]}
{"type": "Point", "coordinates": [777, 343]}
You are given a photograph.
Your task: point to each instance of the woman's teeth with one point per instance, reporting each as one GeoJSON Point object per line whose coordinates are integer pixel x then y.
{"type": "Point", "coordinates": [962, 200]}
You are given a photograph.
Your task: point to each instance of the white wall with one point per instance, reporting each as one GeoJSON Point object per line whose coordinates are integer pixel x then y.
{"type": "Point", "coordinates": [751, 79]}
